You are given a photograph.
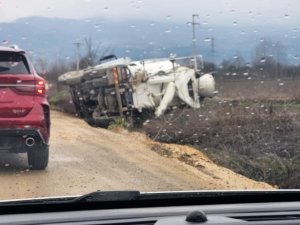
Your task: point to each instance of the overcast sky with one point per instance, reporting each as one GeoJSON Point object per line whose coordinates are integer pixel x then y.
{"type": "Point", "coordinates": [211, 11]}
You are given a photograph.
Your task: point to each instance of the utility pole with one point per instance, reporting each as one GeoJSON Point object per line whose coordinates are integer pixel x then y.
{"type": "Point", "coordinates": [193, 23]}
{"type": "Point", "coordinates": [77, 45]}
{"type": "Point", "coordinates": [212, 45]}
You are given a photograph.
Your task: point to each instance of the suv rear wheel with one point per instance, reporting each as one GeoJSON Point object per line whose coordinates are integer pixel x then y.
{"type": "Point", "coordinates": [38, 158]}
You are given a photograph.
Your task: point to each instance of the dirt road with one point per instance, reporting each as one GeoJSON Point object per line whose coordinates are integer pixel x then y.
{"type": "Point", "coordinates": [85, 159]}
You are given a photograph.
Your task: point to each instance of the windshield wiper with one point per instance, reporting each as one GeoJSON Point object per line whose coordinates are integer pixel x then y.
{"type": "Point", "coordinates": [135, 199]}
{"type": "Point", "coordinates": [108, 196]}
{"type": "Point", "coordinates": [97, 196]}
{"type": "Point", "coordinates": [164, 198]}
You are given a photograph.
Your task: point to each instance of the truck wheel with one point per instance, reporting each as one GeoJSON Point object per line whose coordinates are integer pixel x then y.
{"type": "Point", "coordinates": [103, 123]}
{"type": "Point", "coordinates": [38, 158]}
{"type": "Point", "coordinates": [90, 121]}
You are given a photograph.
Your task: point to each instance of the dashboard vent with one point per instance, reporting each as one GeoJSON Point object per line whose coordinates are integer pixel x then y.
{"type": "Point", "coordinates": [268, 217]}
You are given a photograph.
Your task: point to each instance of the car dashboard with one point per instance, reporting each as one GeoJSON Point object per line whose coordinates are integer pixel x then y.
{"type": "Point", "coordinates": [249, 209]}
{"type": "Point", "coordinates": [263, 213]}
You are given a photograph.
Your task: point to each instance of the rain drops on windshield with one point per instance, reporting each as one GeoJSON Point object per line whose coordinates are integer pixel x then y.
{"type": "Point", "coordinates": [148, 95]}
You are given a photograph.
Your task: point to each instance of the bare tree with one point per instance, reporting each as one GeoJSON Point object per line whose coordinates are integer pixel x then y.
{"type": "Point", "coordinates": [56, 69]}
{"type": "Point", "coordinates": [41, 66]}
{"type": "Point", "coordinates": [269, 57]}
{"type": "Point", "coordinates": [91, 56]}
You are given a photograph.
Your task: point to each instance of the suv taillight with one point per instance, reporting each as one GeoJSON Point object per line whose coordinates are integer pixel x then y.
{"type": "Point", "coordinates": [31, 87]}
{"type": "Point", "coordinates": [40, 87]}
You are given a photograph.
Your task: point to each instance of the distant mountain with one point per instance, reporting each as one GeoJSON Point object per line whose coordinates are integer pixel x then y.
{"type": "Point", "coordinates": [53, 38]}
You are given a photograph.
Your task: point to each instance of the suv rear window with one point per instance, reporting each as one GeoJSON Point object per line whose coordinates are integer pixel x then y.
{"type": "Point", "coordinates": [13, 63]}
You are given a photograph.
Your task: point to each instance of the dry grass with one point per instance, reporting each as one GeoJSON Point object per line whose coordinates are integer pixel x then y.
{"type": "Point", "coordinates": [253, 137]}
{"type": "Point", "coordinates": [276, 89]}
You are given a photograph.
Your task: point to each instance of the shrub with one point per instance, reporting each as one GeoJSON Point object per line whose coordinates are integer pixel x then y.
{"type": "Point", "coordinates": [118, 123]}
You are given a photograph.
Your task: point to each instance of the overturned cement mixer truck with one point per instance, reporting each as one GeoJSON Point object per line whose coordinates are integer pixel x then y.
{"type": "Point", "coordinates": [135, 89]}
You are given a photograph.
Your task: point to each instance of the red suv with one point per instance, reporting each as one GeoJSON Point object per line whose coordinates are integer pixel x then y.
{"type": "Point", "coordinates": [24, 109]}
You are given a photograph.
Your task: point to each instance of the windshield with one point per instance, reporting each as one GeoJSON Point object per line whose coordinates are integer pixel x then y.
{"type": "Point", "coordinates": [148, 95]}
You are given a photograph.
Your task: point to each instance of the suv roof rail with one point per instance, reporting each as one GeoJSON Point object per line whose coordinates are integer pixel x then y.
{"type": "Point", "coordinates": [14, 46]}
